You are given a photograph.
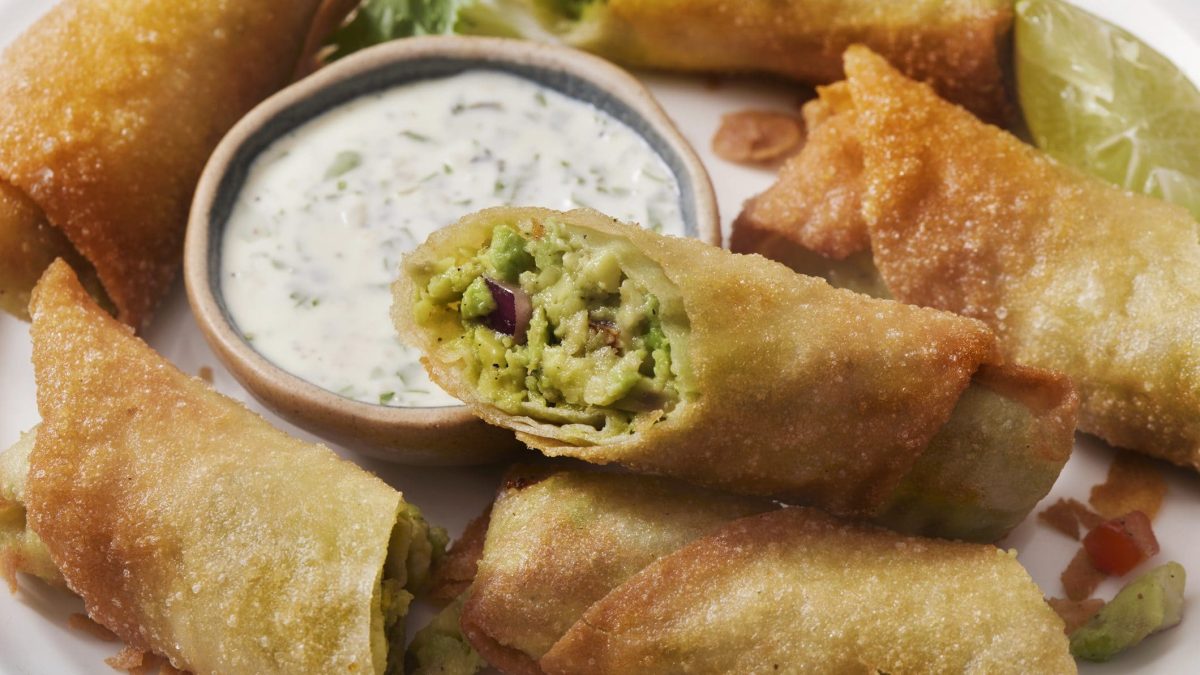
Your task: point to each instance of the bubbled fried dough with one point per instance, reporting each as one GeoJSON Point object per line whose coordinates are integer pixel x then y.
{"type": "Point", "coordinates": [797, 591]}
{"type": "Point", "coordinates": [788, 388]}
{"type": "Point", "coordinates": [109, 109]}
{"type": "Point", "coordinates": [190, 527]}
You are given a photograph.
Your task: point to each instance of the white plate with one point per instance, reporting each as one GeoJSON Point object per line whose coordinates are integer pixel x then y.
{"type": "Point", "coordinates": [34, 637]}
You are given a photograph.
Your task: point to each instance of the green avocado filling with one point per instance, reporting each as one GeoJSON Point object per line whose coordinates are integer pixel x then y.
{"type": "Point", "coordinates": [412, 551]}
{"type": "Point", "coordinates": [441, 648]}
{"type": "Point", "coordinates": [595, 349]}
{"type": "Point", "coordinates": [1151, 603]}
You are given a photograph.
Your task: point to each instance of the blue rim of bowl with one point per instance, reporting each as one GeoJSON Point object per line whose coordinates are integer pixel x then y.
{"type": "Point", "coordinates": [407, 70]}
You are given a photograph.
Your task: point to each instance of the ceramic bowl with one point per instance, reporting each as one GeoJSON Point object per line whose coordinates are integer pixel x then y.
{"type": "Point", "coordinates": [438, 436]}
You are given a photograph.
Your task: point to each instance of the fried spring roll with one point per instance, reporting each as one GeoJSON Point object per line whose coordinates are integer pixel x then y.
{"type": "Point", "coordinates": [557, 543]}
{"type": "Point", "coordinates": [597, 340]}
{"type": "Point", "coordinates": [795, 590]}
{"type": "Point", "coordinates": [108, 111]}
{"type": "Point", "coordinates": [960, 46]}
{"type": "Point", "coordinates": [191, 527]}
{"type": "Point", "coordinates": [1073, 274]}
{"type": "Point", "coordinates": [683, 584]}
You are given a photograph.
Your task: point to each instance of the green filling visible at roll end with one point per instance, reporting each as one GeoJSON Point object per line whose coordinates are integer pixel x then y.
{"type": "Point", "coordinates": [414, 548]}
{"type": "Point", "coordinates": [551, 324]}
{"type": "Point", "coordinates": [21, 550]}
{"type": "Point", "coordinates": [440, 648]}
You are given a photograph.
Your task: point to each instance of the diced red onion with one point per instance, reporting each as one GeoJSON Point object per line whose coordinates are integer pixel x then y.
{"type": "Point", "coordinates": [513, 310]}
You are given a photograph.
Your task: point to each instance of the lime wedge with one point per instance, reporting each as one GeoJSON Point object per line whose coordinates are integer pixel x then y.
{"type": "Point", "coordinates": [1096, 97]}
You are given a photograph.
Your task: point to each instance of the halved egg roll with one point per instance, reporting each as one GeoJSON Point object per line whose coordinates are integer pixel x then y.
{"type": "Point", "coordinates": [586, 572]}
{"type": "Point", "coordinates": [1073, 274]}
{"type": "Point", "coordinates": [195, 530]}
{"type": "Point", "coordinates": [597, 340]}
{"type": "Point", "coordinates": [108, 111]}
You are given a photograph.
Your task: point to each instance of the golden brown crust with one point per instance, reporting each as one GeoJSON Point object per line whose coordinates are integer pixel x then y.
{"type": "Point", "coordinates": [560, 541]}
{"type": "Point", "coordinates": [801, 391]}
{"type": "Point", "coordinates": [817, 199]}
{"type": "Point", "coordinates": [455, 572]}
{"type": "Point", "coordinates": [28, 244]}
{"type": "Point", "coordinates": [1133, 483]}
{"type": "Point", "coordinates": [1073, 274]}
{"type": "Point", "coordinates": [960, 47]}
{"type": "Point", "coordinates": [190, 526]}
{"type": "Point", "coordinates": [794, 590]}
{"type": "Point", "coordinates": [108, 111]}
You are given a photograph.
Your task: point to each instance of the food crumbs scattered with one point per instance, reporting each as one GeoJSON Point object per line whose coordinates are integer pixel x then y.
{"type": "Point", "coordinates": [1066, 516]}
{"type": "Point", "coordinates": [1081, 578]}
{"type": "Point", "coordinates": [1134, 483]}
{"type": "Point", "coordinates": [757, 136]}
{"type": "Point", "coordinates": [1075, 613]}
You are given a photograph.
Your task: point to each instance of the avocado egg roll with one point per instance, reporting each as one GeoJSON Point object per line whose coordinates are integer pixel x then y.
{"type": "Point", "coordinates": [603, 572]}
{"type": "Point", "coordinates": [597, 340]}
{"type": "Point", "coordinates": [1073, 274]}
{"type": "Point", "coordinates": [959, 46]}
{"type": "Point", "coordinates": [795, 590]}
{"type": "Point", "coordinates": [559, 541]}
{"type": "Point", "coordinates": [108, 111]}
{"type": "Point", "coordinates": [192, 528]}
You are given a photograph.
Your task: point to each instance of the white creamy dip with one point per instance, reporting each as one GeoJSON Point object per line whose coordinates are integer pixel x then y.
{"type": "Point", "coordinates": [315, 238]}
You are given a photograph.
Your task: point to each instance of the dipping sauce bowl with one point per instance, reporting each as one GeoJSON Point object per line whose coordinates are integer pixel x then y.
{"type": "Point", "coordinates": [306, 206]}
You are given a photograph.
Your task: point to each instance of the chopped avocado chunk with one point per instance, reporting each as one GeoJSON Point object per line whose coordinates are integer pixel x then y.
{"type": "Point", "coordinates": [1151, 603]}
{"type": "Point", "coordinates": [507, 253]}
{"type": "Point", "coordinates": [477, 300]}
{"type": "Point", "coordinates": [595, 351]}
{"type": "Point", "coordinates": [441, 648]}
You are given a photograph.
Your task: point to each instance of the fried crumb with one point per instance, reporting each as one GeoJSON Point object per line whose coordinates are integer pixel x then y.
{"type": "Point", "coordinates": [128, 659]}
{"type": "Point", "coordinates": [8, 568]}
{"type": "Point", "coordinates": [1134, 483]}
{"type": "Point", "coordinates": [206, 374]}
{"type": "Point", "coordinates": [1066, 516]}
{"type": "Point", "coordinates": [757, 136]}
{"type": "Point", "coordinates": [1075, 613]}
{"type": "Point", "coordinates": [1081, 578]}
{"type": "Point", "coordinates": [81, 622]}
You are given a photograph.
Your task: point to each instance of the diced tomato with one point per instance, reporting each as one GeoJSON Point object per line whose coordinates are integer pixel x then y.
{"type": "Point", "coordinates": [1118, 545]}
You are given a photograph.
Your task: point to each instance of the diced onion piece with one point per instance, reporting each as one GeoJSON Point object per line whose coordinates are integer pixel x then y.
{"type": "Point", "coordinates": [513, 310]}
{"type": "Point", "coordinates": [1117, 546]}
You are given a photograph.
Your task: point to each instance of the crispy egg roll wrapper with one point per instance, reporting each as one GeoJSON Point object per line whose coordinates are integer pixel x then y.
{"type": "Point", "coordinates": [789, 388]}
{"type": "Point", "coordinates": [108, 112]}
{"type": "Point", "coordinates": [795, 590]}
{"type": "Point", "coordinates": [1073, 274]}
{"type": "Point", "coordinates": [960, 46]}
{"type": "Point", "coordinates": [559, 541]}
{"type": "Point", "coordinates": [21, 550]}
{"type": "Point", "coordinates": [190, 526]}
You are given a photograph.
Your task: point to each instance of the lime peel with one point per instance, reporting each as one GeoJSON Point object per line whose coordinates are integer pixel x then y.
{"type": "Point", "coordinates": [1098, 98]}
